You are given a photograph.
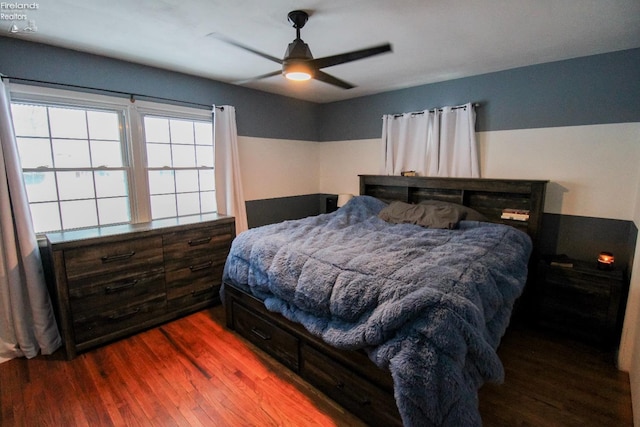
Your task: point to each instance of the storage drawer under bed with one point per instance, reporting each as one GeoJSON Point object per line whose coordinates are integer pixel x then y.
{"type": "Point", "coordinates": [347, 388]}
{"type": "Point", "coordinates": [348, 377]}
{"type": "Point", "coordinates": [269, 337]}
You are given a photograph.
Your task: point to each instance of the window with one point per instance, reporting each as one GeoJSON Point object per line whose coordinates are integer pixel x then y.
{"type": "Point", "coordinates": [180, 166]}
{"type": "Point", "coordinates": [73, 165]}
{"type": "Point", "coordinates": [89, 160]}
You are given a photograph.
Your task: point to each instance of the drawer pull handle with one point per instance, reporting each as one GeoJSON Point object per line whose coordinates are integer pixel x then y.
{"type": "Point", "coordinates": [201, 241]}
{"type": "Point", "coordinates": [361, 400]}
{"type": "Point", "coordinates": [125, 315]}
{"type": "Point", "coordinates": [201, 292]}
{"type": "Point", "coordinates": [198, 267]}
{"type": "Point", "coordinates": [122, 287]}
{"type": "Point", "coordinates": [120, 257]}
{"type": "Point", "coordinates": [260, 334]}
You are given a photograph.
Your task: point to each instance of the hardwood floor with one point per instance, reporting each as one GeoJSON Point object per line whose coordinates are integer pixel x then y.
{"type": "Point", "coordinates": [194, 372]}
{"type": "Point", "coordinates": [553, 381]}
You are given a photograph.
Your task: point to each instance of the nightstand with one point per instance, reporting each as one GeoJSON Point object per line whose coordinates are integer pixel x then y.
{"type": "Point", "coordinates": [582, 301]}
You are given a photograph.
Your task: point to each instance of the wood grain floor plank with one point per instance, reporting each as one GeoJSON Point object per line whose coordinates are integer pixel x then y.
{"type": "Point", "coordinates": [110, 402]}
{"type": "Point", "coordinates": [10, 395]}
{"type": "Point", "coordinates": [209, 343]}
{"type": "Point", "coordinates": [164, 394]}
{"type": "Point", "coordinates": [553, 380]}
{"type": "Point", "coordinates": [208, 394]}
{"type": "Point", "coordinates": [118, 387]}
{"type": "Point", "coordinates": [140, 380]}
{"type": "Point", "coordinates": [194, 372]}
{"type": "Point", "coordinates": [173, 367]}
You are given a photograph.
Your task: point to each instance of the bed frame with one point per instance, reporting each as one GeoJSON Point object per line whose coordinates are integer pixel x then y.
{"type": "Point", "coordinates": [349, 377]}
{"type": "Point", "coordinates": [487, 196]}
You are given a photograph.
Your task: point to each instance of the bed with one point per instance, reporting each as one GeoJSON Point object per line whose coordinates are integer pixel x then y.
{"type": "Point", "coordinates": [391, 313]}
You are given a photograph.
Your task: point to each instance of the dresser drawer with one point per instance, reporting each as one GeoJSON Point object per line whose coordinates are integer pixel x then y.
{"type": "Point", "coordinates": [106, 323]}
{"type": "Point", "coordinates": [576, 299]}
{"type": "Point", "coordinates": [180, 247]}
{"type": "Point", "coordinates": [130, 255]}
{"type": "Point", "coordinates": [264, 334]}
{"type": "Point", "coordinates": [196, 272]}
{"type": "Point", "coordinates": [111, 291]}
{"type": "Point", "coordinates": [199, 295]}
{"type": "Point", "coordinates": [185, 281]}
{"type": "Point", "coordinates": [349, 389]}
{"type": "Point", "coordinates": [577, 281]}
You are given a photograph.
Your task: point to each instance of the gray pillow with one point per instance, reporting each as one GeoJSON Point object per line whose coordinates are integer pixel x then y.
{"type": "Point", "coordinates": [429, 213]}
{"type": "Point", "coordinates": [468, 214]}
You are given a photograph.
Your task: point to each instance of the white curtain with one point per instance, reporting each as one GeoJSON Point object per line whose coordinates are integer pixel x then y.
{"type": "Point", "coordinates": [229, 194]}
{"type": "Point", "coordinates": [440, 142]}
{"type": "Point", "coordinates": [27, 323]}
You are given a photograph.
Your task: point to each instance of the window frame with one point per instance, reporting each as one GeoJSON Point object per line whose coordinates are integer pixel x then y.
{"type": "Point", "coordinates": [132, 132]}
{"type": "Point", "coordinates": [147, 111]}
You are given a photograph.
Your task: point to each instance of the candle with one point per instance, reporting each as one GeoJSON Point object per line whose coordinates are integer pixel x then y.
{"type": "Point", "coordinates": [605, 260]}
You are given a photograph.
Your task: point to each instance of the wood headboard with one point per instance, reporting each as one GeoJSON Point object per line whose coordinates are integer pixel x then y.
{"type": "Point", "coordinates": [487, 196]}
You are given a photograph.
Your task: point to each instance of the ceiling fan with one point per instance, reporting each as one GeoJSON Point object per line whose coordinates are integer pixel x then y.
{"type": "Point", "coordinates": [298, 62]}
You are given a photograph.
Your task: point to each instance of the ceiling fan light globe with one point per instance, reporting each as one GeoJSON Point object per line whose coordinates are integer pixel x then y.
{"type": "Point", "coordinates": [297, 70]}
{"type": "Point", "coordinates": [298, 76]}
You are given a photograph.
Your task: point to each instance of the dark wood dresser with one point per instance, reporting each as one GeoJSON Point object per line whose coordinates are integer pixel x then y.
{"type": "Point", "coordinates": [109, 282]}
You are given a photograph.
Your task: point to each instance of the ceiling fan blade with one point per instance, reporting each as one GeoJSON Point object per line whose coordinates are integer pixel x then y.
{"type": "Point", "coordinates": [327, 78]}
{"type": "Point", "coordinates": [263, 76]}
{"type": "Point", "coordinates": [247, 48]}
{"type": "Point", "coordinates": [329, 61]}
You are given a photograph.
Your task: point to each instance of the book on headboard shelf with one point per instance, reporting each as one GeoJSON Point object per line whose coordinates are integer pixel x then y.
{"type": "Point", "coordinates": [560, 260]}
{"type": "Point", "coordinates": [515, 214]}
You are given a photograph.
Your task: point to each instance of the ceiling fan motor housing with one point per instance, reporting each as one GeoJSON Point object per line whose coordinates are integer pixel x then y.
{"type": "Point", "coordinates": [298, 49]}
{"type": "Point", "coordinates": [297, 58]}
{"type": "Point", "coordinates": [298, 54]}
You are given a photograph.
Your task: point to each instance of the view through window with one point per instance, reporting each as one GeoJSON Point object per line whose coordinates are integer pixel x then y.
{"type": "Point", "coordinates": [83, 165]}
{"type": "Point", "coordinates": [180, 166]}
{"type": "Point", "coordinates": [74, 166]}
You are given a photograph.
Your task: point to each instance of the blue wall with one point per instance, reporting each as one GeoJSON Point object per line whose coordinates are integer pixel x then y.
{"type": "Point", "coordinates": [590, 90]}
{"type": "Point", "coordinates": [257, 113]}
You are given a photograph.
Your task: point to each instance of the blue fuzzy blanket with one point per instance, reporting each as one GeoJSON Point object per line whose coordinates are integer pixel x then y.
{"type": "Point", "coordinates": [429, 305]}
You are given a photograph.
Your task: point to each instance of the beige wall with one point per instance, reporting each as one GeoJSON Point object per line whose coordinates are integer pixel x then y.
{"type": "Point", "coordinates": [592, 169]}
{"type": "Point", "coordinates": [341, 162]}
{"type": "Point", "coordinates": [278, 168]}
{"type": "Point", "coordinates": [629, 358]}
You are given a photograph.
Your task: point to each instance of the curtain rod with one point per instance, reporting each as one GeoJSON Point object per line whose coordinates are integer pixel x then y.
{"type": "Point", "coordinates": [131, 96]}
{"type": "Point", "coordinates": [417, 113]}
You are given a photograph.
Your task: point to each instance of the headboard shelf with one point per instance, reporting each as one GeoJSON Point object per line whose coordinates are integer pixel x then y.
{"type": "Point", "coordinates": [487, 196]}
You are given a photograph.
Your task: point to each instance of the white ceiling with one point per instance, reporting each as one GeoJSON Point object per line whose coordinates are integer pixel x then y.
{"type": "Point", "coordinates": [433, 40]}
